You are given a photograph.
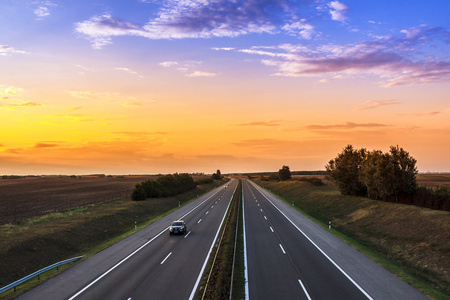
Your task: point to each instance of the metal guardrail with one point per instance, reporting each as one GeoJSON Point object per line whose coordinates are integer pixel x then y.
{"type": "Point", "coordinates": [37, 273]}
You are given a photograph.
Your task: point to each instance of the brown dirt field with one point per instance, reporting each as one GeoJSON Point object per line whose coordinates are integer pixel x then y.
{"type": "Point", "coordinates": [28, 197]}
{"type": "Point", "coordinates": [434, 180]}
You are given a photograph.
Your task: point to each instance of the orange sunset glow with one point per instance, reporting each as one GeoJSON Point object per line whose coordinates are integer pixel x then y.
{"type": "Point", "coordinates": [119, 89]}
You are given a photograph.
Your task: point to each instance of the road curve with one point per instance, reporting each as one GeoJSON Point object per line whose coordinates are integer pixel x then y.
{"type": "Point", "coordinates": [291, 257]}
{"type": "Point", "coordinates": [150, 264]}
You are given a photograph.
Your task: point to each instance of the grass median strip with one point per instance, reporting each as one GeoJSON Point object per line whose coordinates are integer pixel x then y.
{"type": "Point", "coordinates": [217, 280]}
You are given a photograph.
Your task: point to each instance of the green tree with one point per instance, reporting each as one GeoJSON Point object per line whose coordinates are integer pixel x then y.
{"type": "Point", "coordinates": [284, 173]}
{"type": "Point", "coordinates": [344, 170]}
{"type": "Point", "coordinates": [405, 171]}
{"type": "Point", "coordinates": [217, 175]}
{"type": "Point", "coordinates": [138, 193]}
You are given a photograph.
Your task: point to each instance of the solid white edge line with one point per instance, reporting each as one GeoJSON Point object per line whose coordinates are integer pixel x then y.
{"type": "Point", "coordinates": [135, 251]}
{"type": "Point", "coordinates": [245, 246]}
{"type": "Point", "coordinates": [329, 258]}
{"type": "Point", "coordinates": [304, 289]}
{"type": "Point", "coordinates": [282, 249]}
{"type": "Point", "coordinates": [166, 257]}
{"type": "Point", "coordinates": [194, 290]}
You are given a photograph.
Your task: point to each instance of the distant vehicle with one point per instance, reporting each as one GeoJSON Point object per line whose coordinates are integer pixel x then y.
{"type": "Point", "coordinates": [178, 227]}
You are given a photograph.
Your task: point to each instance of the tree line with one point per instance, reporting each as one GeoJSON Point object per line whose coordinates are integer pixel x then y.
{"type": "Point", "coordinates": [374, 174]}
{"type": "Point", "coordinates": [164, 186]}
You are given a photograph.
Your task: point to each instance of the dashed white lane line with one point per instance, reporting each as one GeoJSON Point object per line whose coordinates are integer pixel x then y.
{"type": "Point", "coordinates": [265, 217]}
{"type": "Point", "coordinates": [260, 209]}
{"type": "Point", "coordinates": [282, 249]}
{"type": "Point", "coordinates": [304, 289]}
{"type": "Point", "coordinates": [207, 212]}
{"type": "Point", "coordinates": [271, 228]}
{"type": "Point", "coordinates": [166, 257]}
{"type": "Point", "coordinates": [199, 221]}
{"type": "Point", "coordinates": [187, 234]}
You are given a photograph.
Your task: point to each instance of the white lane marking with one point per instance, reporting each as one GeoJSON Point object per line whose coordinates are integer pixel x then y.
{"type": "Point", "coordinates": [265, 217]}
{"type": "Point", "coordinates": [199, 221]}
{"type": "Point", "coordinates": [207, 212]}
{"type": "Point", "coordinates": [245, 247]}
{"type": "Point", "coordinates": [260, 209]}
{"type": "Point", "coordinates": [212, 206]}
{"type": "Point", "coordinates": [129, 298]}
{"type": "Point", "coordinates": [187, 234]}
{"type": "Point", "coordinates": [258, 204]}
{"type": "Point", "coordinates": [210, 249]}
{"type": "Point", "coordinates": [318, 248]}
{"type": "Point", "coordinates": [282, 249]}
{"type": "Point", "coordinates": [166, 257]}
{"type": "Point", "coordinates": [271, 228]}
{"type": "Point", "coordinates": [136, 251]}
{"type": "Point", "coordinates": [304, 289]}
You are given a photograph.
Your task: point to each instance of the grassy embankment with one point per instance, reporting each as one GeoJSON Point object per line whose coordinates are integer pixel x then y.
{"type": "Point", "coordinates": [36, 243]}
{"type": "Point", "coordinates": [410, 241]}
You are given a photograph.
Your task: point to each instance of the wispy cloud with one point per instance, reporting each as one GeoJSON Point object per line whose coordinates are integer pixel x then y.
{"type": "Point", "coordinates": [347, 125]}
{"type": "Point", "coordinates": [378, 103]}
{"type": "Point", "coordinates": [203, 19]}
{"type": "Point", "coordinates": [20, 104]}
{"type": "Point", "coordinates": [8, 50]}
{"type": "Point", "coordinates": [426, 114]}
{"type": "Point", "coordinates": [270, 123]}
{"type": "Point", "coordinates": [388, 57]}
{"type": "Point", "coordinates": [129, 71]}
{"type": "Point", "coordinates": [201, 74]}
{"type": "Point", "coordinates": [42, 9]}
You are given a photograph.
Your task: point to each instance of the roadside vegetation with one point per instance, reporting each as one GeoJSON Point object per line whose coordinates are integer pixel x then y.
{"type": "Point", "coordinates": [412, 242]}
{"type": "Point", "coordinates": [32, 244]}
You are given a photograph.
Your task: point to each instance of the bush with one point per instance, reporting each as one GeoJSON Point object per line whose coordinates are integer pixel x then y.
{"type": "Point", "coordinates": [164, 186]}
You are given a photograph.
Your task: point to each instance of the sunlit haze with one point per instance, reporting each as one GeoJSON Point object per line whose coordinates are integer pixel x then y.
{"type": "Point", "coordinates": [163, 86]}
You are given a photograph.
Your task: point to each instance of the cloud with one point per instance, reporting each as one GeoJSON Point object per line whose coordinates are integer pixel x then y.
{"type": "Point", "coordinates": [21, 104]}
{"type": "Point", "coordinates": [42, 10]}
{"type": "Point", "coordinates": [270, 123]}
{"type": "Point", "coordinates": [425, 114]}
{"type": "Point", "coordinates": [338, 10]}
{"type": "Point", "coordinates": [378, 103]}
{"type": "Point", "coordinates": [81, 94]}
{"type": "Point", "coordinates": [203, 19]}
{"type": "Point", "coordinates": [7, 50]}
{"type": "Point", "coordinates": [132, 104]}
{"type": "Point", "coordinates": [168, 64]}
{"type": "Point", "coordinates": [396, 60]}
{"type": "Point", "coordinates": [130, 71]}
{"type": "Point", "coordinates": [223, 48]}
{"type": "Point", "coordinates": [75, 108]}
{"type": "Point", "coordinates": [201, 74]}
{"type": "Point", "coordinates": [347, 125]}
{"type": "Point", "coordinates": [45, 145]}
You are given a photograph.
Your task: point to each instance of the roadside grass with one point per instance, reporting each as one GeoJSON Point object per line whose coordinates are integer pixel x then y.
{"type": "Point", "coordinates": [33, 244]}
{"type": "Point", "coordinates": [412, 242]}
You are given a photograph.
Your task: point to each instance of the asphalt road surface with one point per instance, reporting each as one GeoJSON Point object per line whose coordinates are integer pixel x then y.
{"type": "Point", "coordinates": [150, 264]}
{"type": "Point", "coordinates": [287, 256]}
{"type": "Point", "coordinates": [290, 257]}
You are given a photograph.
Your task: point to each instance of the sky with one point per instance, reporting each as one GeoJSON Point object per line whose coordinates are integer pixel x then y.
{"type": "Point", "coordinates": [165, 86]}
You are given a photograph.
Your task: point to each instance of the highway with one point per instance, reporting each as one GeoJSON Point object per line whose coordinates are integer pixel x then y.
{"type": "Point", "coordinates": [151, 264]}
{"type": "Point", "coordinates": [287, 256]}
{"type": "Point", "coordinates": [290, 257]}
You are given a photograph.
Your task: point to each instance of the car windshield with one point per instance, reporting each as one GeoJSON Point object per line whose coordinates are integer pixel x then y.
{"type": "Point", "coordinates": [177, 224]}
